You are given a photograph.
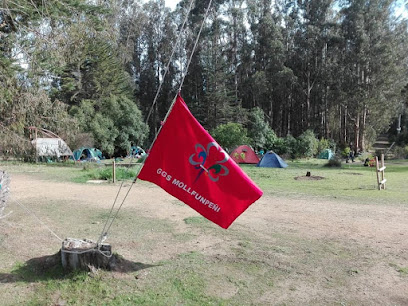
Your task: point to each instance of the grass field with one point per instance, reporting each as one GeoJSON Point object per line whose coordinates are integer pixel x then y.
{"type": "Point", "coordinates": [333, 241]}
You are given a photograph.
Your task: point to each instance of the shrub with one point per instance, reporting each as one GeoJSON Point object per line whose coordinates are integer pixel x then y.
{"type": "Point", "coordinates": [270, 139]}
{"type": "Point", "coordinates": [401, 152]}
{"type": "Point", "coordinates": [292, 147]}
{"type": "Point", "coordinates": [307, 144]}
{"type": "Point", "coordinates": [335, 163]}
{"type": "Point", "coordinates": [322, 145]}
{"type": "Point", "coordinates": [345, 152]}
{"type": "Point", "coordinates": [230, 135]}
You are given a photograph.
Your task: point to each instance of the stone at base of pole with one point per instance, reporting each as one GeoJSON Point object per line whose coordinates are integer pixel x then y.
{"type": "Point", "coordinates": [81, 254]}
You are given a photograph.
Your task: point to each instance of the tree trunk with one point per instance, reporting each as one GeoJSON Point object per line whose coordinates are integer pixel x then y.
{"type": "Point", "coordinates": [362, 129]}
{"type": "Point", "coordinates": [357, 132]}
{"type": "Point", "coordinates": [84, 254]}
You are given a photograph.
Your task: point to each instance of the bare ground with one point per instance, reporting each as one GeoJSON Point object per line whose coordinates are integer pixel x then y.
{"type": "Point", "coordinates": [330, 251]}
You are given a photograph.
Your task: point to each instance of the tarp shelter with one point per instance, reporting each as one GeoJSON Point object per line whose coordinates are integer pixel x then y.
{"type": "Point", "coordinates": [90, 154]}
{"type": "Point", "coordinates": [272, 160]}
{"type": "Point", "coordinates": [326, 154]}
{"type": "Point", "coordinates": [244, 155]}
{"type": "Point", "coordinates": [51, 147]}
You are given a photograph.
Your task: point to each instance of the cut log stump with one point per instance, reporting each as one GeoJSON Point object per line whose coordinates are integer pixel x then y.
{"type": "Point", "coordinates": [83, 254]}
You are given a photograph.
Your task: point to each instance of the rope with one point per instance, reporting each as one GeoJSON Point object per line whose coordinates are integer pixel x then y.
{"type": "Point", "coordinates": [104, 253]}
{"type": "Point", "coordinates": [169, 62]}
{"type": "Point", "coordinates": [38, 219]}
{"type": "Point", "coordinates": [104, 233]}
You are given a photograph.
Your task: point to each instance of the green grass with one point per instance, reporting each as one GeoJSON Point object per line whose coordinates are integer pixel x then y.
{"type": "Point", "coordinates": [403, 271]}
{"type": "Point", "coordinates": [70, 172]}
{"type": "Point", "coordinates": [237, 267]}
{"type": "Point", "coordinates": [352, 182]}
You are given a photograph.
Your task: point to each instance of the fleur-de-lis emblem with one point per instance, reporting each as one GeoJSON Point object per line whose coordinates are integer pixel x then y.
{"type": "Point", "coordinates": [211, 166]}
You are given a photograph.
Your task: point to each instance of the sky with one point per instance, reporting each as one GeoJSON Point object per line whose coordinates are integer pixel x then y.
{"type": "Point", "coordinates": [172, 3]}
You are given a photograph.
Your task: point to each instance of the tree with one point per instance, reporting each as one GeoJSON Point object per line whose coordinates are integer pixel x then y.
{"type": "Point", "coordinates": [230, 135]}
{"type": "Point", "coordinates": [115, 122]}
{"type": "Point", "coordinates": [258, 129]}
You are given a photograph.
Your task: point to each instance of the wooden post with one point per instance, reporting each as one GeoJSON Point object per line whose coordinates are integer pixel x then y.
{"type": "Point", "coordinates": [114, 171]}
{"type": "Point", "coordinates": [380, 172]}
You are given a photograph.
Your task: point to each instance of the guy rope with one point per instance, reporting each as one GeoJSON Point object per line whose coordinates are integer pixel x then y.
{"type": "Point", "coordinates": [113, 213]}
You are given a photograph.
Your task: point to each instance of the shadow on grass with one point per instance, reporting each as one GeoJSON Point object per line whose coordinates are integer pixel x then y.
{"type": "Point", "coordinates": [50, 268]}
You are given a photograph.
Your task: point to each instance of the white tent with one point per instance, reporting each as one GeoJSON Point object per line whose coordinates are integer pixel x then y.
{"type": "Point", "coordinates": [52, 147]}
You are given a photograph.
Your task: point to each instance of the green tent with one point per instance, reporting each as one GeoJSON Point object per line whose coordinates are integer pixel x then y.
{"type": "Point", "coordinates": [326, 154]}
{"type": "Point", "coordinates": [89, 154]}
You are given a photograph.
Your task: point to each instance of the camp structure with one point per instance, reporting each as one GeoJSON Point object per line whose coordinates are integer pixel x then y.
{"type": "Point", "coordinates": [136, 151]}
{"type": "Point", "coordinates": [244, 155]}
{"type": "Point", "coordinates": [272, 160]}
{"type": "Point", "coordinates": [49, 144]}
{"type": "Point", "coordinates": [326, 154]}
{"type": "Point", "coordinates": [87, 154]}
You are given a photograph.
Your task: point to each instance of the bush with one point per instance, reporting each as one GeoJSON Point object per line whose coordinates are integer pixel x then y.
{"type": "Point", "coordinates": [322, 145]}
{"type": "Point", "coordinates": [334, 163]}
{"type": "Point", "coordinates": [401, 152]}
{"type": "Point", "coordinates": [106, 173]}
{"type": "Point", "coordinates": [230, 135]}
{"type": "Point", "coordinates": [346, 152]}
{"type": "Point", "coordinates": [307, 144]}
{"type": "Point", "coordinates": [270, 139]}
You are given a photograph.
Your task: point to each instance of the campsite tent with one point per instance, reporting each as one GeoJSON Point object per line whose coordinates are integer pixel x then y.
{"type": "Point", "coordinates": [272, 160]}
{"type": "Point", "coordinates": [244, 155]}
{"type": "Point", "coordinates": [90, 154]}
{"type": "Point", "coordinates": [326, 154]}
{"type": "Point", "coordinates": [51, 147]}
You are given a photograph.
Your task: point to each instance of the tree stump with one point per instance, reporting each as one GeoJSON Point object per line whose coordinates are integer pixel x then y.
{"type": "Point", "coordinates": [83, 254]}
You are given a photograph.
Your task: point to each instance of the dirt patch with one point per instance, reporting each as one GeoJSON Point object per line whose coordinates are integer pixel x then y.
{"type": "Point", "coordinates": [309, 178]}
{"type": "Point", "coordinates": [280, 251]}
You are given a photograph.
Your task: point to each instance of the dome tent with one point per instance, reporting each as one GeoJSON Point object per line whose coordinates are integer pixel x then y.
{"type": "Point", "coordinates": [244, 155]}
{"type": "Point", "coordinates": [89, 154]}
{"type": "Point", "coordinates": [326, 154]}
{"type": "Point", "coordinates": [272, 160]}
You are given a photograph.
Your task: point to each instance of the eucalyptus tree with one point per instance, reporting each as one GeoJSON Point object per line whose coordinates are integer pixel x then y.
{"type": "Point", "coordinates": [374, 75]}
{"type": "Point", "coordinates": [268, 61]}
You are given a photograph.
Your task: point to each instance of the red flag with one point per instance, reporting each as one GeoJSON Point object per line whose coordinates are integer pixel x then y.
{"type": "Point", "coordinates": [189, 164]}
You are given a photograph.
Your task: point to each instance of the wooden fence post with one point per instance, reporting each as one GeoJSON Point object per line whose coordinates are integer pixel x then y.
{"type": "Point", "coordinates": [114, 171]}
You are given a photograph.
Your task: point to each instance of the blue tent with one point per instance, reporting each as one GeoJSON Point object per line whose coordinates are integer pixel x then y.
{"type": "Point", "coordinates": [272, 160]}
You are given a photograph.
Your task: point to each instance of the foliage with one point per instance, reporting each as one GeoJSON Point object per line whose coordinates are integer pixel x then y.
{"type": "Point", "coordinates": [401, 152]}
{"type": "Point", "coordinates": [308, 144]}
{"type": "Point", "coordinates": [346, 152]}
{"type": "Point", "coordinates": [230, 135]}
{"type": "Point", "coordinates": [270, 139]}
{"type": "Point", "coordinates": [115, 123]}
{"type": "Point", "coordinates": [323, 144]}
{"type": "Point", "coordinates": [258, 129]}
{"type": "Point", "coordinates": [338, 69]}
{"type": "Point", "coordinates": [333, 163]}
